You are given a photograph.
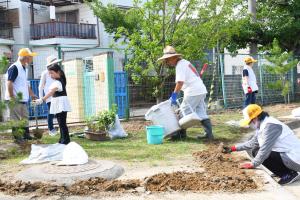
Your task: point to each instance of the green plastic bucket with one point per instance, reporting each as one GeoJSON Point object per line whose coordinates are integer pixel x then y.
{"type": "Point", "coordinates": [155, 134]}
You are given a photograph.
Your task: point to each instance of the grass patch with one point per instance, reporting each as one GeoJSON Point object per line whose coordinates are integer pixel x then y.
{"type": "Point", "coordinates": [134, 148]}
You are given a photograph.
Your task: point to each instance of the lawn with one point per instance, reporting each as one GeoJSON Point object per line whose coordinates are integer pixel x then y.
{"type": "Point", "coordinates": [134, 148]}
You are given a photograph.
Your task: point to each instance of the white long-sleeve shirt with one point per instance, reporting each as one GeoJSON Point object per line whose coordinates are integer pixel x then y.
{"type": "Point", "coordinates": [44, 85]}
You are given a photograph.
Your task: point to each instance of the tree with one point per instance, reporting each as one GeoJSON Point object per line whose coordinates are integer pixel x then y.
{"type": "Point", "coordinates": [9, 124]}
{"type": "Point", "coordinates": [3, 64]}
{"type": "Point", "coordinates": [191, 26]}
{"type": "Point", "coordinates": [146, 29]}
{"type": "Point", "coordinates": [281, 64]}
{"type": "Point", "coordinates": [274, 19]}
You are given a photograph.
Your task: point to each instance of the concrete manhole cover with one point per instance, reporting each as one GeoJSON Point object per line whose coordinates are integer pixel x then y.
{"type": "Point", "coordinates": [67, 175]}
{"type": "Point", "coordinates": [54, 169]}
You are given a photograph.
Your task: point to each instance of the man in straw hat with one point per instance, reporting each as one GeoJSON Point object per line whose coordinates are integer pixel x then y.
{"type": "Point", "coordinates": [16, 83]}
{"type": "Point", "coordinates": [188, 80]}
{"type": "Point", "coordinates": [274, 145]}
{"type": "Point", "coordinates": [249, 84]}
{"type": "Point", "coordinates": [44, 85]}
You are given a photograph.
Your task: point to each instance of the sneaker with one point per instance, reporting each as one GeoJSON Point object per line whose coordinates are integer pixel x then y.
{"type": "Point", "coordinates": [289, 178]}
{"type": "Point", "coordinates": [52, 132]}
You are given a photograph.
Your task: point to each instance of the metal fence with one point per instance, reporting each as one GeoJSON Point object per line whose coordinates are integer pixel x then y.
{"type": "Point", "coordinates": [223, 80]}
{"type": "Point", "coordinates": [228, 81]}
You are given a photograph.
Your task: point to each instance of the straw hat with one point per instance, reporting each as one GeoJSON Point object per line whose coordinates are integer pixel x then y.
{"type": "Point", "coordinates": [250, 112]}
{"type": "Point", "coordinates": [249, 60]}
{"type": "Point", "coordinates": [169, 51]}
{"type": "Point", "coordinates": [52, 60]}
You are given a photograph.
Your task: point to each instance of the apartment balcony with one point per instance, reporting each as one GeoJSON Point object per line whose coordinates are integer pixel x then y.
{"type": "Point", "coordinates": [62, 30]}
{"type": "Point", "coordinates": [6, 30]}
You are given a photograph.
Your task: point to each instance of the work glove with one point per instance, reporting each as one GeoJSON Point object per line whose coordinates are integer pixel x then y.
{"type": "Point", "coordinates": [38, 102]}
{"type": "Point", "coordinates": [173, 98]}
{"type": "Point", "coordinates": [228, 149]}
{"type": "Point", "coordinates": [249, 89]}
{"type": "Point", "coordinates": [246, 166]}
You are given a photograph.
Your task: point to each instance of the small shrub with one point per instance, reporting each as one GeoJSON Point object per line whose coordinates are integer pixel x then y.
{"type": "Point", "coordinates": [102, 121]}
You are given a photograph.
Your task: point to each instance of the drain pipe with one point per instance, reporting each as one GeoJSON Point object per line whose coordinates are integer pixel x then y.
{"type": "Point", "coordinates": [98, 32]}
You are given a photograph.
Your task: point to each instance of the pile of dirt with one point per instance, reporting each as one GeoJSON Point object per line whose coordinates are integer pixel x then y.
{"type": "Point", "coordinates": [134, 126]}
{"type": "Point", "coordinates": [80, 188]}
{"type": "Point", "coordinates": [222, 173]}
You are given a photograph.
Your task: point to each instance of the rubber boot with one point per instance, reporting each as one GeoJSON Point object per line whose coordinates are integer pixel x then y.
{"type": "Point", "coordinates": [208, 130]}
{"type": "Point", "coordinates": [179, 135]}
{"type": "Point", "coordinates": [182, 133]}
{"type": "Point", "coordinates": [26, 134]}
{"type": "Point", "coordinates": [17, 138]}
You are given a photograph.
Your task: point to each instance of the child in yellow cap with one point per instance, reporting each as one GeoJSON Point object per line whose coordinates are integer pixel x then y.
{"type": "Point", "coordinates": [249, 82]}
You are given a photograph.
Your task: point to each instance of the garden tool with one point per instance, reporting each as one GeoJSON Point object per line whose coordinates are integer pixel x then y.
{"type": "Point", "coordinates": [36, 132]}
{"type": "Point", "coordinates": [203, 69]}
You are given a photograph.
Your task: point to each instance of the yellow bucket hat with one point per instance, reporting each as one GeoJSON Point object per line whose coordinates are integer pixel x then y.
{"type": "Point", "coordinates": [250, 112]}
{"type": "Point", "coordinates": [249, 60]}
{"type": "Point", "coordinates": [26, 52]}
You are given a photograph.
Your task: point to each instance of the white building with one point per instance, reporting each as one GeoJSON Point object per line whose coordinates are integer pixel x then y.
{"type": "Point", "coordinates": [72, 25]}
{"type": "Point", "coordinates": [6, 30]}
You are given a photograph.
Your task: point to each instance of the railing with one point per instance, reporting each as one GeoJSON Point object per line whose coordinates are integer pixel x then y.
{"type": "Point", "coordinates": [62, 30]}
{"type": "Point", "coordinates": [6, 30]}
{"type": "Point", "coordinates": [41, 110]}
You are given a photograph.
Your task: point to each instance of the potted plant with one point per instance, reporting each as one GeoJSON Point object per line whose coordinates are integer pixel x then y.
{"type": "Point", "coordinates": [98, 125]}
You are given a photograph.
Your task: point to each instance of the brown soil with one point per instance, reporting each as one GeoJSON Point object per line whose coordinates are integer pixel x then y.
{"type": "Point", "coordinates": [134, 126]}
{"type": "Point", "coordinates": [221, 174]}
{"type": "Point", "coordinates": [80, 188]}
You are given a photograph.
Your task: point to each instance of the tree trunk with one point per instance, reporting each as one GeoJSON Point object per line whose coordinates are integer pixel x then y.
{"type": "Point", "coordinates": [252, 11]}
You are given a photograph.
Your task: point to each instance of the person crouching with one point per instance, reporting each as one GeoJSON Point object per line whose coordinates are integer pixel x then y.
{"type": "Point", "coordinates": [274, 145]}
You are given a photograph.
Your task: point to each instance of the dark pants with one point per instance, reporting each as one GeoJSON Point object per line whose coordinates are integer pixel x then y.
{"type": "Point", "coordinates": [275, 164]}
{"type": "Point", "coordinates": [64, 132]}
{"type": "Point", "coordinates": [250, 98]}
{"type": "Point", "coordinates": [50, 118]}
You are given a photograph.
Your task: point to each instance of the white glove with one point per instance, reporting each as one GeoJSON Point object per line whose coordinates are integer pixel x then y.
{"type": "Point", "coordinates": [38, 101]}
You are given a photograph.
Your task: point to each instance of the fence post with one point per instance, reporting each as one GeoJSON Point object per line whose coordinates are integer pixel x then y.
{"type": "Point", "coordinates": [222, 78]}
{"type": "Point", "coordinates": [59, 52]}
{"type": "Point", "coordinates": [293, 77]}
{"type": "Point", "coordinates": [127, 114]}
{"type": "Point", "coordinates": [261, 79]}
{"type": "Point", "coordinates": [110, 78]}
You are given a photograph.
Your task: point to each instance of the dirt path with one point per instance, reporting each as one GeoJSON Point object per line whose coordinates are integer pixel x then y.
{"type": "Point", "coordinates": [221, 173]}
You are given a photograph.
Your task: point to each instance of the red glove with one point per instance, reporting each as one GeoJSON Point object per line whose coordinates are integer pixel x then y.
{"type": "Point", "coordinates": [228, 149]}
{"type": "Point", "coordinates": [246, 166]}
{"type": "Point", "coordinates": [233, 148]}
{"type": "Point", "coordinates": [249, 90]}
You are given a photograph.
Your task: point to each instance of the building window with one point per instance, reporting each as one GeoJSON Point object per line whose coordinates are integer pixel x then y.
{"type": "Point", "coordinates": [70, 16]}
{"type": "Point", "coordinates": [12, 16]}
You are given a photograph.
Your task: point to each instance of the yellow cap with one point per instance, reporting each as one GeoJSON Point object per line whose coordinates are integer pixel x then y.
{"type": "Point", "coordinates": [26, 52]}
{"type": "Point", "coordinates": [250, 112]}
{"type": "Point", "coordinates": [249, 60]}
